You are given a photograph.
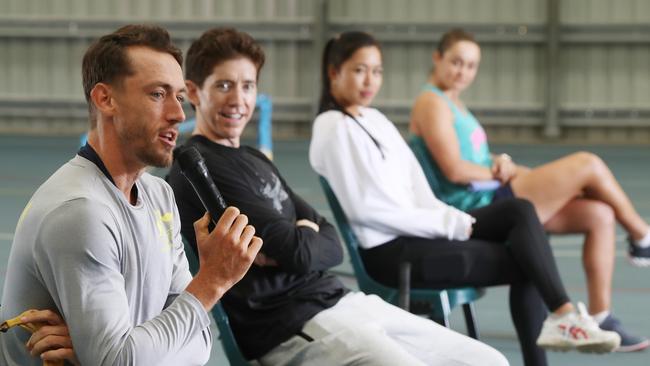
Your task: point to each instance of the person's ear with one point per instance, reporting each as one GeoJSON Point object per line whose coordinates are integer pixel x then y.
{"type": "Point", "coordinates": [102, 97]}
{"type": "Point", "coordinates": [332, 73]}
{"type": "Point", "coordinates": [192, 93]}
{"type": "Point", "coordinates": [436, 57]}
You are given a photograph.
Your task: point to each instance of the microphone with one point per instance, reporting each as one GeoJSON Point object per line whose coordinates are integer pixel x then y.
{"type": "Point", "coordinates": [194, 169]}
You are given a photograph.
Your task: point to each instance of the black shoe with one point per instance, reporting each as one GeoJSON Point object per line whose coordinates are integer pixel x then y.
{"type": "Point", "coordinates": [629, 343]}
{"type": "Point", "coordinates": [638, 256]}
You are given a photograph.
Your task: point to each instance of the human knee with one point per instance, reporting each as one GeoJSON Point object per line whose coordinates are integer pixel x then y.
{"type": "Point", "coordinates": [590, 162]}
{"type": "Point", "coordinates": [523, 209]}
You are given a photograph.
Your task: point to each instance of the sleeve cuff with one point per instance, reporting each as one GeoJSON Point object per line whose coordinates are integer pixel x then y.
{"type": "Point", "coordinates": [195, 304]}
{"type": "Point", "coordinates": [464, 222]}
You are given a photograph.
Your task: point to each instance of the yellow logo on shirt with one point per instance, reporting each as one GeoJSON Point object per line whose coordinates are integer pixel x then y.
{"type": "Point", "coordinates": [165, 232]}
{"type": "Point", "coordinates": [25, 210]}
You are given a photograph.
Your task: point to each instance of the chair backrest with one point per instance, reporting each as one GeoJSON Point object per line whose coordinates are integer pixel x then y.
{"type": "Point", "coordinates": [233, 353]}
{"type": "Point", "coordinates": [366, 283]}
{"type": "Point", "coordinates": [441, 300]}
{"type": "Point", "coordinates": [434, 175]}
{"type": "Point", "coordinates": [429, 166]}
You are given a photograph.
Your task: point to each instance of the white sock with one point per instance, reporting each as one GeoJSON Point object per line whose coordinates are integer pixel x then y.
{"type": "Point", "coordinates": [643, 242]}
{"type": "Point", "coordinates": [555, 316]}
{"type": "Point", "coordinates": [600, 317]}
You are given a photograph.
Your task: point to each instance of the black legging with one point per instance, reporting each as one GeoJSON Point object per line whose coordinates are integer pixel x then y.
{"type": "Point", "coordinates": [508, 246]}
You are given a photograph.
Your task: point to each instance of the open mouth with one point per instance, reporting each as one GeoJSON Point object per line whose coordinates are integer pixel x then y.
{"type": "Point", "coordinates": [169, 137]}
{"type": "Point", "coordinates": [235, 116]}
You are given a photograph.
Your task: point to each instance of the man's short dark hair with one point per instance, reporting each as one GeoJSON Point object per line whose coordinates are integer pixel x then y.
{"type": "Point", "coordinates": [106, 59]}
{"type": "Point", "coordinates": [216, 46]}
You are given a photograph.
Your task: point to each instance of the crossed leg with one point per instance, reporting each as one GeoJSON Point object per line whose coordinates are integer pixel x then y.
{"type": "Point", "coordinates": [550, 187]}
{"type": "Point", "coordinates": [596, 220]}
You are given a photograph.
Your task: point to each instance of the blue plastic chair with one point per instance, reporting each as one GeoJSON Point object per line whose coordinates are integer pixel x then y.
{"type": "Point", "coordinates": [438, 303]}
{"type": "Point", "coordinates": [433, 173]}
{"type": "Point", "coordinates": [233, 353]}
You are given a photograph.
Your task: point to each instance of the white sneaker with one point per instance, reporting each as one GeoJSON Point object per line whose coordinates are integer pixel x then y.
{"type": "Point", "coordinates": [576, 330]}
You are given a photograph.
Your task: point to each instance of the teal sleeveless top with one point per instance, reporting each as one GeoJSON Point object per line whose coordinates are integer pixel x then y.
{"type": "Point", "coordinates": [473, 148]}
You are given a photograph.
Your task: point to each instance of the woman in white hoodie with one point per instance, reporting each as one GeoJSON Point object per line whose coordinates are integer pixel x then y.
{"type": "Point", "coordinates": [396, 216]}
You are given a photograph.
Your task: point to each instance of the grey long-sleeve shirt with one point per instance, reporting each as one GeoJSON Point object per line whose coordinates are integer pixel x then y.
{"type": "Point", "coordinates": [116, 272]}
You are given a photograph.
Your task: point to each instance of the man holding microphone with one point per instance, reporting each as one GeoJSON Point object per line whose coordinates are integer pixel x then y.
{"type": "Point", "coordinates": [99, 242]}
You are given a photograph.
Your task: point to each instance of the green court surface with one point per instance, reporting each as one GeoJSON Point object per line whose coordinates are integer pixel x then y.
{"type": "Point", "coordinates": [25, 162]}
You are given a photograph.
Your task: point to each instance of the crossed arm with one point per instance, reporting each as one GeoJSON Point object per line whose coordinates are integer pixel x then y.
{"type": "Point", "coordinates": [95, 305]}
{"type": "Point", "coordinates": [51, 342]}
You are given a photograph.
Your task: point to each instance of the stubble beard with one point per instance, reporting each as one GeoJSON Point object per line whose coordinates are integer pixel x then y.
{"type": "Point", "coordinates": [151, 158]}
{"type": "Point", "coordinates": [145, 150]}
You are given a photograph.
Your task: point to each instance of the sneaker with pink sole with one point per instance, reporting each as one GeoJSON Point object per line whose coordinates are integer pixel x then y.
{"type": "Point", "coordinates": [579, 331]}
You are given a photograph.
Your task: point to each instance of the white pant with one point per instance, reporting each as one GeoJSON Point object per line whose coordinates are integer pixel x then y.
{"type": "Point", "coordinates": [365, 330]}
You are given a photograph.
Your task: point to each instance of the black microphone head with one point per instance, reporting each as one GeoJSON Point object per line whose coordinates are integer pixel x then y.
{"type": "Point", "coordinates": [187, 157]}
{"type": "Point", "coordinates": [194, 169]}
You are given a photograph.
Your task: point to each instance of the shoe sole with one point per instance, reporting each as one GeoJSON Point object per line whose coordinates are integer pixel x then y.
{"type": "Point", "coordinates": [564, 346]}
{"type": "Point", "coordinates": [597, 347]}
{"type": "Point", "coordinates": [556, 347]}
{"type": "Point", "coordinates": [638, 261]}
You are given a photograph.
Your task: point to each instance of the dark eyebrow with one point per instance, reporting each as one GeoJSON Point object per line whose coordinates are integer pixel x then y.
{"type": "Point", "coordinates": [168, 87]}
{"type": "Point", "coordinates": [247, 81]}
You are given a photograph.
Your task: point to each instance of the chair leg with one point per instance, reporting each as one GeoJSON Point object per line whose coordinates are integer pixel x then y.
{"type": "Point", "coordinates": [404, 291]}
{"type": "Point", "coordinates": [444, 321]}
{"type": "Point", "coordinates": [470, 320]}
{"type": "Point", "coordinates": [441, 315]}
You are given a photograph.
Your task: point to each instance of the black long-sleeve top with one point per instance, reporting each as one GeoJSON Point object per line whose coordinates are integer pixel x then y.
{"type": "Point", "coordinates": [270, 304]}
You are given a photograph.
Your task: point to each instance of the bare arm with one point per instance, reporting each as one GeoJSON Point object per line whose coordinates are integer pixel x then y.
{"type": "Point", "coordinates": [503, 168]}
{"type": "Point", "coordinates": [432, 119]}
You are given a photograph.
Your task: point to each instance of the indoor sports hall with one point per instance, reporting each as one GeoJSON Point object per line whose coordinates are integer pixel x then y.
{"type": "Point", "coordinates": [556, 78]}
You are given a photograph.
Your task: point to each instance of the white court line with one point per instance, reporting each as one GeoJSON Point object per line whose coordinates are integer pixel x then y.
{"type": "Point", "coordinates": [567, 253]}
{"type": "Point", "coordinates": [575, 240]}
{"type": "Point", "coordinates": [7, 236]}
{"type": "Point", "coordinates": [15, 192]}
{"type": "Point", "coordinates": [562, 253]}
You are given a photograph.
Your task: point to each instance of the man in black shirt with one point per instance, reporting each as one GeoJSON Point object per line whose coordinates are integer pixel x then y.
{"type": "Point", "coordinates": [287, 309]}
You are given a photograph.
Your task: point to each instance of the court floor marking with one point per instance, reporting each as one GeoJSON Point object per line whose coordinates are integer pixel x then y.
{"type": "Point", "coordinates": [563, 253]}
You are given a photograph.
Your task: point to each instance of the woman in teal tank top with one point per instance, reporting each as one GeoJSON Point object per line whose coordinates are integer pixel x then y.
{"type": "Point", "coordinates": [574, 194]}
{"type": "Point", "coordinates": [473, 147]}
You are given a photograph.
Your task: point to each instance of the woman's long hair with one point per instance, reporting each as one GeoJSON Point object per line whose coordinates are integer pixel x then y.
{"type": "Point", "coordinates": [338, 50]}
